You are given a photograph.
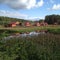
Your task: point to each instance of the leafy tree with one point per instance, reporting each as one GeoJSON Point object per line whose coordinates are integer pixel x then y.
{"type": "Point", "coordinates": [51, 19]}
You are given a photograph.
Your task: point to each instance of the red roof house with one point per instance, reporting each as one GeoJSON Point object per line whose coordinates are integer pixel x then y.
{"type": "Point", "coordinates": [13, 24]}
{"type": "Point", "coordinates": [27, 24]}
{"type": "Point", "coordinates": [37, 24]}
{"type": "Point", "coordinates": [17, 23]}
{"type": "Point", "coordinates": [43, 24]}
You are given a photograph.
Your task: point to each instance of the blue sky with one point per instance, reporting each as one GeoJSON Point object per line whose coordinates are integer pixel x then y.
{"type": "Point", "coordinates": [29, 9]}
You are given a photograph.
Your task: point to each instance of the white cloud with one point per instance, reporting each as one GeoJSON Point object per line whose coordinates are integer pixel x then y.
{"type": "Point", "coordinates": [55, 7]}
{"type": "Point", "coordinates": [23, 4]}
{"type": "Point", "coordinates": [35, 18]}
{"type": "Point", "coordinates": [40, 3]}
{"type": "Point", "coordinates": [18, 15]}
{"type": "Point", "coordinates": [12, 14]}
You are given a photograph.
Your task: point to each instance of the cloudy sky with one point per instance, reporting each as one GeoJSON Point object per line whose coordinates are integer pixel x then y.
{"type": "Point", "coordinates": [29, 9]}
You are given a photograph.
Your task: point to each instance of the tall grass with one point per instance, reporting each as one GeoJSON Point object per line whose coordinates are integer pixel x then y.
{"type": "Point", "coordinates": [41, 47]}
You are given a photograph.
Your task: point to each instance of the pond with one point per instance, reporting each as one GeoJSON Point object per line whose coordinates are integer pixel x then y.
{"type": "Point", "coordinates": [24, 35]}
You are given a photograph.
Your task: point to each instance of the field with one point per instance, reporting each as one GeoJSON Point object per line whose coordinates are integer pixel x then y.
{"type": "Point", "coordinates": [14, 30]}
{"type": "Point", "coordinates": [41, 47]}
{"type": "Point", "coordinates": [32, 28]}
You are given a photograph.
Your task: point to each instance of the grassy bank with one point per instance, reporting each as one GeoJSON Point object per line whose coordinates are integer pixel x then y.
{"type": "Point", "coordinates": [29, 29]}
{"type": "Point", "coordinates": [8, 31]}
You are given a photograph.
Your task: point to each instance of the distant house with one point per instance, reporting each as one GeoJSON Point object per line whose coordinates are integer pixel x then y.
{"type": "Point", "coordinates": [36, 24]}
{"type": "Point", "coordinates": [27, 24]}
{"type": "Point", "coordinates": [43, 24]}
{"type": "Point", "coordinates": [13, 24]}
{"type": "Point", "coordinates": [46, 24]}
{"type": "Point", "coordinates": [17, 23]}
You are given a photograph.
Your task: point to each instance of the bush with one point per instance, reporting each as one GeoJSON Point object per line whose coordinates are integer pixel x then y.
{"type": "Point", "coordinates": [54, 31]}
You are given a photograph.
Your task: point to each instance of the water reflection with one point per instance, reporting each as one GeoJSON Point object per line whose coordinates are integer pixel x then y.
{"type": "Point", "coordinates": [24, 35]}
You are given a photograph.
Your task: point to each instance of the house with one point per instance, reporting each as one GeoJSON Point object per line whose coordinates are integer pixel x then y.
{"type": "Point", "coordinates": [13, 24]}
{"type": "Point", "coordinates": [37, 24]}
{"type": "Point", "coordinates": [17, 23]}
{"type": "Point", "coordinates": [27, 24]}
{"type": "Point", "coordinates": [46, 24]}
{"type": "Point", "coordinates": [43, 24]}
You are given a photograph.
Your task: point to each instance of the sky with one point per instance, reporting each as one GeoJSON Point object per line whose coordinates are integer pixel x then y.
{"type": "Point", "coordinates": [29, 9]}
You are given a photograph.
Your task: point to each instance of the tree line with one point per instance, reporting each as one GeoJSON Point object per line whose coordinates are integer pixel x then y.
{"type": "Point", "coordinates": [6, 20]}
{"type": "Point", "coordinates": [52, 19]}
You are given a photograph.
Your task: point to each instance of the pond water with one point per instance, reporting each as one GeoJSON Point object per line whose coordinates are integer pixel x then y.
{"type": "Point", "coordinates": [24, 35]}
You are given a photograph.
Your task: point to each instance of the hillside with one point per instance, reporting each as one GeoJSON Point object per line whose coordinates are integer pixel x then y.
{"type": "Point", "coordinates": [6, 20]}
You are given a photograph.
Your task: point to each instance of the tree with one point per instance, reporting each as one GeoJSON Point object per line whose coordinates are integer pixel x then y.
{"type": "Point", "coordinates": [41, 20]}
{"type": "Point", "coordinates": [51, 19]}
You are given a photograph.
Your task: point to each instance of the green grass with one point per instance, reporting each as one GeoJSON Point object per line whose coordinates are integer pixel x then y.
{"type": "Point", "coordinates": [8, 31]}
{"type": "Point", "coordinates": [41, 47]}
{"type": "Point", "coordinates": [29, 29]}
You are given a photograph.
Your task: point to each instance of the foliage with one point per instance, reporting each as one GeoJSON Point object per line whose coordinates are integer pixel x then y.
{"type": "Point", "coordinates": [41, 47]}
{"type": "Point", "coordinates": [6, 20]}
{"type": "Point", "coordinates": [54, 31]}
{"type": "Point", "coordinates": [41, 20]}
{"type": "Point", "coordinates": [51, 19]}
{"type": "Point", "coordinates": [11, 31]}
